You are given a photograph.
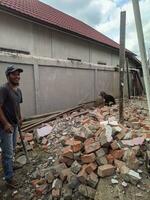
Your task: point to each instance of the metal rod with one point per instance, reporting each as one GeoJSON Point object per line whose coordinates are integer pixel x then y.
{"type": "Point", "coordinates": [140, 35]}
{"type": "Point", "coordinates": [23, 144]}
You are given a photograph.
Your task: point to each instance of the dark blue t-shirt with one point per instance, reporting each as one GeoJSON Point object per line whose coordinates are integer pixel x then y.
{"type": "Point", "coordinates": [9, 101]}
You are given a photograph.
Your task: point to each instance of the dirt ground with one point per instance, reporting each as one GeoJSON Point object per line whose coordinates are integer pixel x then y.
{"type": "Point", "coordinates": [107, 191]}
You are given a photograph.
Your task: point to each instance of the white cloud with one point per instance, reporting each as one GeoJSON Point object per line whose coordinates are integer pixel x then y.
{"type": "Point", "coordinates": [111, 27]}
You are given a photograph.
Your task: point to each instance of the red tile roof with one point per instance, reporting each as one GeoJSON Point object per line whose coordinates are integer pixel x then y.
{"type": "Point", "coordinates": [49, 15]}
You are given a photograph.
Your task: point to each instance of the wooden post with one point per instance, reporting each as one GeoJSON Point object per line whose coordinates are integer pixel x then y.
{"type": "Point", "coordinates": [122, 62]}
{"type": "Point", "coordinates": [128, 80]}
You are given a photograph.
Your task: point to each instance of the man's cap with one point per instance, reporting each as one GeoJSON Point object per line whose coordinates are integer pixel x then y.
{"type": "Point", "coordinates": [12, 69]}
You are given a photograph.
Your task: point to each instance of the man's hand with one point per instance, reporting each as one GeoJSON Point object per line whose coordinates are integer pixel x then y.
{"type": "Point", "coordinates": [8, 128]}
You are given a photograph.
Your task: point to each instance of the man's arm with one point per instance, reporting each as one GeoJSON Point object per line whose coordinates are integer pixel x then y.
{"type": "Point", "coordinates": [19, 110]}
{"type": "Point", "coordinates": [7, 126]}
{"type": "Point", "coordinates": [20, 116]}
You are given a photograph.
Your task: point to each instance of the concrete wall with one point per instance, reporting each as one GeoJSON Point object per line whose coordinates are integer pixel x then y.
{"type": "Point", "coordinates": [64, 87]}
{"type": "Point", "coordinates": [49, 85]}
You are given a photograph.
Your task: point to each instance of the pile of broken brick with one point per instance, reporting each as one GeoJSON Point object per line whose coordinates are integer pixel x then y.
{"type": "Point", "coordinates": [97, 147]}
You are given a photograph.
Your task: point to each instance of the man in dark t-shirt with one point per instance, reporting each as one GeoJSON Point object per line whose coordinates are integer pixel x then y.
{"type": "Point", "coordinates": [10, 116]}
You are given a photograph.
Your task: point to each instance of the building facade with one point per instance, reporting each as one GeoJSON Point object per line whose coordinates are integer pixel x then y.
{"type": "Point", "coordinates": [61, 67]}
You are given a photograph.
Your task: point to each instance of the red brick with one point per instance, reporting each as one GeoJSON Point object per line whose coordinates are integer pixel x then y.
{"type": "Point", "coordinates": [69, 142]}
{"type": "Point", "coordinates": [86, 121]}
{"type": "Point", "coordinates": [114, 145]}
{"type": "Point", "coordinates": [117, 154]}
{"type": "Point", "coordinates": [98, 133]}
{"type": "Point", "coordinates": [104, 109]}
{"type": "Point", "coordinates": [41, 189]}
{"type": "Point", "coordinates": [130, 159]}
{"type": "Point", "coordinates": [106, 170]}
{"type": "Point", "coordinates": [88, 158]}
{"type": "Point", "coordinates": [66, 160]}
{"type": "Point", "coordinates": [38, 182]}
{"type": "Point", "coordinates": [67, 152]}
{"type": "Point", "coordinates": [76, 146]}
{"type": "Point", "coordinates": [80, 136]}
{"type": "Point", "coordinates": [146, 127]}
{"type": "Point", "coordinates": [89, 141]}
{"type": "Point", "coordinates": [121, 135]}
{"type": "Point", "coordinates": [82, 175]}
{"type": "Point", "coordinates": [110, 159]}
{"type": "Point", "coordinates": [119, 163]}
{"type": "Point", "coordinates": [45, 147]}
{"type": "Point", "coordinates": [28, 137]}
{"type": "Point", "coordinates": [91, 167]}
{"type": "Point", "coordinates": [56, 193]}
{"type": "Point", "coordinates": [92, 147]}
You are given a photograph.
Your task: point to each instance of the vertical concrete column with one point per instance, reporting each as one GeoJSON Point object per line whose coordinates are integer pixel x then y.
{"type": "Point", "coordinates": [95, 83]}
{"type": "Point", "coordinates": [36, 85]}
{"type": "Point", "coordinates": [90, 53]}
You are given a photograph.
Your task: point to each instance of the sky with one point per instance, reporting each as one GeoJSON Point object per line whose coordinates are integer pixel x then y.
{"type": "Point", "coordinates": [104, 16]}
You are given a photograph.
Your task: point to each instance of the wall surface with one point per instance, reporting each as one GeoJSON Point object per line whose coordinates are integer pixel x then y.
{"type": "Point", "coordinates": [48, 85]}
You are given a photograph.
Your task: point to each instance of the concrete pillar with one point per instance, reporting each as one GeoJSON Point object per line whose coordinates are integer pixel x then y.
{"type": "Point", "coordinates": [95, 84]}
{"type": "Point", "coordinates": [36, 86]}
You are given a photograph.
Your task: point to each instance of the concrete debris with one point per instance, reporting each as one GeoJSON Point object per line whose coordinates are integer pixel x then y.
{"type": "Point", "coordinates": [134, 174]}
{"type": "Point", "coordinates": [134, 141]}
{"type": "Point", "coordinates": [124, 184]}
{"type": "Point", "coordinates": [112, 121]}
{"type": "Point", "coordinates": [139, 194]}
{"type": "Point", "coordinates": [114, 181]}
{"type": "Point", "coordinates": [87, 191]}
{"type": "Point", "coordinates": [108, 133]}
{"type": "Point", "coordinates": [44, 131]}
{"type": "Point", "coordinates": [22, 160]}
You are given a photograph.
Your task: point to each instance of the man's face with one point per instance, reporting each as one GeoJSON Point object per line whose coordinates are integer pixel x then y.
{"type": "Point", "coordinates": [14, 78]}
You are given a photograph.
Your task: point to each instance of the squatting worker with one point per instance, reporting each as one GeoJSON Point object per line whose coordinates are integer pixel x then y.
{"type": "Point", "coordinates": [10, 116]}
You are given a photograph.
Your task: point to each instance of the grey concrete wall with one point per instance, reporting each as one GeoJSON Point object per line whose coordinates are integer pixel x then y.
{"type": "Point", "coordinates": [64, 87]}
{"type": "Point", "coordinates": [52, 84]}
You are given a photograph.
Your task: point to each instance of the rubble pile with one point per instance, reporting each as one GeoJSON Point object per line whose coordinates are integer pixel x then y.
{"type": "Point", "coordinates": [90, 147]}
